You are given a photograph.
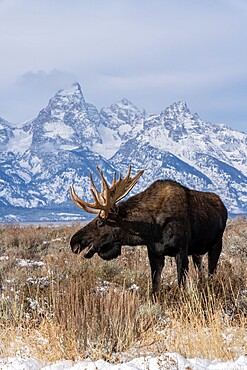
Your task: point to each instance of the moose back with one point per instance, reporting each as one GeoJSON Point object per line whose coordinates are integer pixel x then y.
{"type": "Point", "coordinates": [170, 219]}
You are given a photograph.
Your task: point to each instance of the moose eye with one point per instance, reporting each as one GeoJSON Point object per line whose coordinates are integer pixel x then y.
{"type": "Point", "coordinates": [100, 223]}
{"type": "Point", "coordinates": [114, 209]}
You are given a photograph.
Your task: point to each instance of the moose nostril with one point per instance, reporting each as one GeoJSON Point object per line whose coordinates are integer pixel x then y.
{"type": "Point", "coordinates": [76, 248]}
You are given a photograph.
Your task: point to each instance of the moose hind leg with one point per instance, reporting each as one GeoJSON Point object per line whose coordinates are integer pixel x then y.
{"type": "Point", "coordinates": [156, 263]}
{"type": "Point", "coordinates": [197, 260]}
{"type": "Point", "coordinates": [213, 256]}
{"type": "Point", "coordinates": [182, 262]}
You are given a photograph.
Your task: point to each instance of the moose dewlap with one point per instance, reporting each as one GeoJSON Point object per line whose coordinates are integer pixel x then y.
{"type": "Point", "coordinates": [170, 219]}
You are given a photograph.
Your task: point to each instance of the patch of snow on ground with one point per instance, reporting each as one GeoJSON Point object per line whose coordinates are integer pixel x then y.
{"type": "Point", "coordinates": [27, 263]}
{"type": "Point", "coordinates": [168, 361]}
{"type": "Point", "coordinates": [4, 258]}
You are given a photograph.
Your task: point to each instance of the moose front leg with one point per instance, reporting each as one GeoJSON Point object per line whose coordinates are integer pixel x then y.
{"type": "Point", "coordinates": [213, 257]}
{"type": "Point", "coordinates": [156, 263]}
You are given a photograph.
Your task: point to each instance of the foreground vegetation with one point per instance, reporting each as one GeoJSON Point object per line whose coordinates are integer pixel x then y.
{"type": "Point", "coordinates": [55, 304]}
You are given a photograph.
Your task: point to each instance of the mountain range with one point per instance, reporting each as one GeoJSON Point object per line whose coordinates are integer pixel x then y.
{"type": "Point", "coordinates": [40, 159]}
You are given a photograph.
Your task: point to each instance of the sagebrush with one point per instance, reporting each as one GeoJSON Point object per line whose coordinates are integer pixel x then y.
{"type": "Point", "coordinates": [55, 304]}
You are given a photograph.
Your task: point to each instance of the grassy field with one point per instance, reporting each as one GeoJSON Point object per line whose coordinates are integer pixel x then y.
{"type": "Point", "coordinates": [54, 304]}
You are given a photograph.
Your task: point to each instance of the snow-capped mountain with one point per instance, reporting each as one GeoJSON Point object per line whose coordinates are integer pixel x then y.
{"type": "Point", "coordinates": [64, 143]}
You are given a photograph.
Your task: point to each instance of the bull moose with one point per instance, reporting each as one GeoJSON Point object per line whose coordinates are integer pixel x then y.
{"type": "Point", "coordinates": [167, 217]}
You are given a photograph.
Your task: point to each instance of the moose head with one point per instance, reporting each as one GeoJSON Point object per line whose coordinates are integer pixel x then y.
{"type": "Point", "coordinates": [102, 235]}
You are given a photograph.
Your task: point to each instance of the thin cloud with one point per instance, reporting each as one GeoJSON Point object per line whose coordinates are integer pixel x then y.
{"type": "Point", "coordinates": [54, 79]}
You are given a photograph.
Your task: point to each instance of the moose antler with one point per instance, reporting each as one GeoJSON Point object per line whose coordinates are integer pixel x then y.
{"type": "Point", "coordinates": [109, 195]}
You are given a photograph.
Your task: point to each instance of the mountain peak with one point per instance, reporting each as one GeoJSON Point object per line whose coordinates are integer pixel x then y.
{"type": "Point", "coordinates": [66, 100]}
{"type": "Point", "coordinates": [125, 101]}
{"type": "Point", "coordinates": [66, 122]}
{"type": "Point", "coordinates": [73, 92]}
{"type": "Point", "coordinates": [181, 104]}
{"type": "Point", "coordinates": [124, 107]}
{"type": "Point", "coordinates": [179, 107]}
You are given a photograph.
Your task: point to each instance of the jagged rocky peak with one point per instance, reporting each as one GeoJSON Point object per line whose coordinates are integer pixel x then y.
{"type": "Point", "coordinates": [122, 112]}
{"type": "Point", "coordinates": [72, 92]}
{"type": "Point", "coordinates": [67, 99]}
{"type": "Point", "coordinates": [177, 109]}
{"type": "Point", "coordinates": [178, 117]}
{"type": "Point", "coordinates": [63, 102]}
{"type": "Point", "coordinates": [67, 120]}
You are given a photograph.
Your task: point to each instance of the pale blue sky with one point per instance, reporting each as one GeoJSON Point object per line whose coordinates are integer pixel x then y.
{"type": "Point", "coordinates": [151, 52]}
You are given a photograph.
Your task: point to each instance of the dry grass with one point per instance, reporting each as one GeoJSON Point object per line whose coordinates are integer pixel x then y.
{"type": "Point", "coordinates": [55, 304]}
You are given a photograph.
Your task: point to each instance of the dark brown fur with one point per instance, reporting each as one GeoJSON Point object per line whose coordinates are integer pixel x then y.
{"type": "Point", "coordinates": [170, 219]}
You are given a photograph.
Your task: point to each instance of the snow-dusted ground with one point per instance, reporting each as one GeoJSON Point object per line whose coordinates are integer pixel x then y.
{"type": "Point", "coordinates": [168, 361]}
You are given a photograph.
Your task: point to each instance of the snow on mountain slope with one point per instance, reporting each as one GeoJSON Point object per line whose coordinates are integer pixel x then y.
{"type": "Point", "coordinates": [119, 123]}
{"type": "Point", "coordinates": [69, 137]}
{"type": "Point", "coordinates": [21, 139]}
